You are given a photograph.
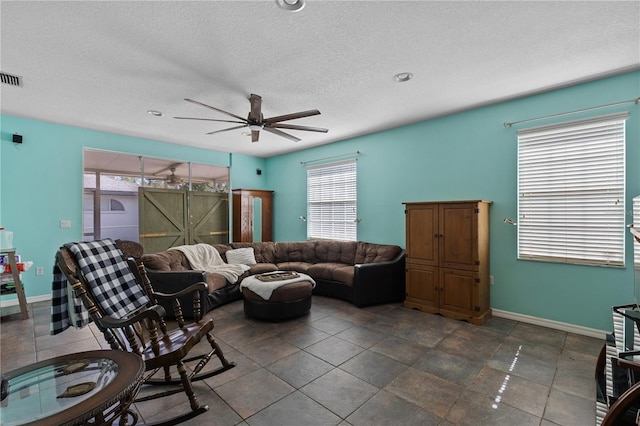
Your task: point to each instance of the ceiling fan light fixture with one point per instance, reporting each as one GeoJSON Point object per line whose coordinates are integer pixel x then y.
{"type": "Point", "coordinates": [154, 113]}
{"type": "Point", "coordinates": [291, 5]}
{"type": "Point", "coordinates": [402, 77]}
{"type": "Point", "coordinates": [255, 127]}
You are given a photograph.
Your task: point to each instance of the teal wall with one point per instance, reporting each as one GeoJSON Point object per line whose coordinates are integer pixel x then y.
{"type": "Point", "coordinates": [243, 172]}
{"type": "Point", "coordinates": [41, 184]}
{"type": "Point", "coordinates": [471, 155]}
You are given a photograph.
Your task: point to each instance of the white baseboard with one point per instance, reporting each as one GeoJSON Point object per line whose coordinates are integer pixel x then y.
{"type": "Point", "coordinates": [556, 325]}
{"type": "Point", "coordinates": [32, 299]}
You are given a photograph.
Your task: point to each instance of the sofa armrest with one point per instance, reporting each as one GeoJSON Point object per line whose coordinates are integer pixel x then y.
{"type": "Point", "coordinates": [170, 282]}
{"type": "Point", "coordinates": [380, 282]}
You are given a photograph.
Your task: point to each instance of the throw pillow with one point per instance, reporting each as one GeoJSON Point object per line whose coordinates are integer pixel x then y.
{"type": "Point", "coordinates": [243, 256]}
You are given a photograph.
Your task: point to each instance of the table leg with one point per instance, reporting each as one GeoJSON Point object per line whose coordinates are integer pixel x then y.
{"type": "Point", "coordinates": [22, 300]}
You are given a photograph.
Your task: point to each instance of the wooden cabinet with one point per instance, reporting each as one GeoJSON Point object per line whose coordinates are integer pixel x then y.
{"type": "Point", "coordinates": [252, 215]}
{"type": "Point", "coordinates": [448, 258]}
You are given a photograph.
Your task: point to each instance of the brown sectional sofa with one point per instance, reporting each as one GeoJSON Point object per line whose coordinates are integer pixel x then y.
{"type": "Point", "coordinates": [359, 272]}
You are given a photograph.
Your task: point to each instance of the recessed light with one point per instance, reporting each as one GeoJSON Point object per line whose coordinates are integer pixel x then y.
{"type": "Point", "coordinates": [291, 5]}
{"type": "Point", "coordinates": [402, 77]}
{"type": "Point", "coordinates": [154, 113]}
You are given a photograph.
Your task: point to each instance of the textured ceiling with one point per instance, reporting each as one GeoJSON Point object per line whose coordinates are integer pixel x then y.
{"type": "Point", "coordinates": [102, 65]}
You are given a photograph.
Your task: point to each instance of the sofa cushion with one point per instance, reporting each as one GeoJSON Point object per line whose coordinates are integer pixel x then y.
{"type": "Point", "coordinates": [262, 268]}
{"type": "Point", "coordinates": [294, 266]}
{"type": "Point", "coordinates": [344, 274]}
{"type": "Point", "coordinates": [336, 251]}
{"type": "Point", "coordinates": [215, 282]}
{"type": "Point", "coordinates": [324, 270]}
{"type": "Point", "coordinates": [263, 252]}
{"type": "Point", "coordinates": [299, 251]}
{"type": "Point", "coordinates": [374, 253]}
{"type": "Point", "coordinates": [171, 260]}
{"type": "Point", "coordinates": [242, 256]}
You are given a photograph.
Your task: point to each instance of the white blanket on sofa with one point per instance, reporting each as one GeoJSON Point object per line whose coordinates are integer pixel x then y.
{"type": "Point", "coordinates": [205, 257]}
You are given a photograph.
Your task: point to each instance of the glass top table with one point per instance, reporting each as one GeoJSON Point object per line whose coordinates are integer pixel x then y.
{"type": "Point", "coordinates": [96, 386]}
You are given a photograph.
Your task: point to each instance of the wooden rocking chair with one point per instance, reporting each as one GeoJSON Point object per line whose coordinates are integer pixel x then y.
{"type": "Point", "coordinates": [626, 409]}
{"type": "Point", "coordinates": [113, 286]}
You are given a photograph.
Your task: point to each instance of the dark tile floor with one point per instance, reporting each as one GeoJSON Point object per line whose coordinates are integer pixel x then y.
{"type": "Point", "coordinates": [383, 365]}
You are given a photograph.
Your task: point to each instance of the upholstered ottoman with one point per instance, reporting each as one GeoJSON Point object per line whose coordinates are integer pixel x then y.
{"type": "Point", "coordinates": [277, 296]}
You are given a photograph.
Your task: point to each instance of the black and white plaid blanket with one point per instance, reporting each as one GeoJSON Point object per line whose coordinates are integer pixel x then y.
{"type": "Point", "coordinates": [66, 309]}
{"type": "Point", "coordinates": [111, 281]}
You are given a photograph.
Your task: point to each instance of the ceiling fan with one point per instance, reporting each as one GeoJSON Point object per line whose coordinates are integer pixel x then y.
{"type": "Point", "coordinates": [172, 179]}
{"type": "Point", "coordinates": [256, 122]}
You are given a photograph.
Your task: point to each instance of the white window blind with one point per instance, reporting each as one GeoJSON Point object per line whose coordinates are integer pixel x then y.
{"type": "Point", "coordinates": [331, 201]}
{"type": "Point", "coordinates": [571, 179]}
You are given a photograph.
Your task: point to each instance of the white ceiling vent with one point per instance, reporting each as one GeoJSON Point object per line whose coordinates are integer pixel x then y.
{"type": "Point", "coordinates": [13, 80]}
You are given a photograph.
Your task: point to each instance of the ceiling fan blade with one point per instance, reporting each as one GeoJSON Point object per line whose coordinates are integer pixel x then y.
{"type": "Point", "coordinates": [292, 116]}
{"type": "Point", "coordinates": [294, 127]}
{"type": "Point", "coordinates": [255, 114]}
{"type": "Point", "coordinates": [255, 135]}
{"type": "Point", "coordinates": [209, 119]}
{"type": "Point", "coordinates": [225, 130]}
{"type": "Point", "coordinates": [283, 134]}
{"type": "Point", "coordinates": [164, 169]}
{"type": "Point", "coordinates": [216, 109]}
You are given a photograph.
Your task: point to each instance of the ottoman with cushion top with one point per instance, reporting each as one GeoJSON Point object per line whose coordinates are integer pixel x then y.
{"type": "Point", "coordinates": [277, 296]}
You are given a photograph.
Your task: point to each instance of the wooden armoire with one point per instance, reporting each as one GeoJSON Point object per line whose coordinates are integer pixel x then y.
{"type": "Point", "coordinates": [447, 263]}
{"type": "Point", "coordinates": [252, 221]}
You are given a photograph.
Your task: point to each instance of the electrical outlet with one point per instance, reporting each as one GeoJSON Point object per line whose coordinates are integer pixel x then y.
{"type": "Point", "coordinates": [65, 224]}
{"type": "Point", "coordinates": [39, 270]}
{"type": "Point", "coordinates": [490, 279]}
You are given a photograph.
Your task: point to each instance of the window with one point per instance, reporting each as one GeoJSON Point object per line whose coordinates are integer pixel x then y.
{"type": "Point", "coordinates": [331, 201]}
{"type": "Point", "coordinates": [112, 180]}
{"type": "Point", "coordinates": [115, 205]}
{"type": "Point", "coordinates": [571, 192]}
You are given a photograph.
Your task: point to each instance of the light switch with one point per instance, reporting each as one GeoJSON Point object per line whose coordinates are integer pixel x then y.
{"type": "Point", "coordinates": [65, 224]}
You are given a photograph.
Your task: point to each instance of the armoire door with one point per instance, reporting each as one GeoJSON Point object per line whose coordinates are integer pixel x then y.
{"type": "Point", "coordinates": [457, 289]}
{"type": "Point", "coordinates": [422, 287]}
{"type": "Point", "coordinates": [252, 215]}
{"type": "Point", "coordinates": [459, 236]}
{"type": "Point", "coordinates": [422, 234]}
